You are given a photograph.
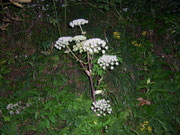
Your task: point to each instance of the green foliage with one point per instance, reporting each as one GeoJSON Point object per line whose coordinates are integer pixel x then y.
{"type": "Point", "coordinates": [56, 90]}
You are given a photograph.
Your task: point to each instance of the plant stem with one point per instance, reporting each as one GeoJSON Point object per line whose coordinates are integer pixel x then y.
{"type": "Point", "coordinates": [90, 77]}
{"type": "Point", "coordinates": [65, 14]}
{"type": "Point", "coordinates": [3, 21]}
{"type": "Point", "coordinates": [89, 73]}
{"type": "Point", "coordinates": [82, 32]}
{"type": "Point", "coordinates": [80, 61]}
{"type": "Point", "coordinates": [59, 29]}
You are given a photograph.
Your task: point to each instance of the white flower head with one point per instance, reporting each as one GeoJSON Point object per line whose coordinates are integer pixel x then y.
{"type": "Point", "coordinates": [79, 38]}
{"type": "Point", "coordinates": [94, 45]}
{"type": "Point", "coordinates": [62, 42]}
{"type": "Point", "coordinates": [9, 106]}
{"type": "Point", "coordinates": [102, 107]}
{"type": "Point", "coordinates": [78, 22]}
{"type": "Point", "coordinates": [15, 109]}
{"type": "Point", "coordinates": [107, 60]}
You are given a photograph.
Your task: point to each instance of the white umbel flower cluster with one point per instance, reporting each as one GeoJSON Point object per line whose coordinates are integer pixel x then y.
{"type": "Point", "coordinates": [102, 107]}
{"type": "Point", "coordinates": [62, 42]}
{"type": "Point", "coordinates": [79, 38]}
{"type": "Point", "coordinates": [16, 108]}
{"type": "Point", "coordinates": [78, 22]}
{"type": "Point", "coordinates": [108, 61]}
{"type": "Point", "coordinates": [95, 45]}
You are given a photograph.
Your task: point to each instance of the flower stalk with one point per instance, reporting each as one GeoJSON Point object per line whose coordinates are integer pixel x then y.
{"type": "Point", "coordinates": [90, 77]}
{"type": "Point", "coordinates": [80, 61]}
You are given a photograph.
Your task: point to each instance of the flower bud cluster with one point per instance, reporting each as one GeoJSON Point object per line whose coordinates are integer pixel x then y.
{"type": "Point", "coordinates": [95, 45]}
{"type": "Point", "coordinates": [108, 61]}
{"type": "Point", "coordinates": [16, 108]}
{"type": "Point", "coordinates": [78, 22]}
{"type": "Point", "coordinates": [102, 107]}
{"type": "Point", "coordinates": [62, 42]}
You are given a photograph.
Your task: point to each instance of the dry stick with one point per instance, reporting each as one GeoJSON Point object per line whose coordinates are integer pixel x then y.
{"type": "Point", "coordinates": [90, 77]}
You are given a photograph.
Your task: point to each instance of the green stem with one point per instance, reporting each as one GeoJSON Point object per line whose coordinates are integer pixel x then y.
{"type": "Point", "coordinates": [82, 32]}
{"type": "Point", "coordinates": [65, 13]}
{"type": "Point", "coordinates": [59, 29]}
{"type": "Point", "coordinates": [135, 131]}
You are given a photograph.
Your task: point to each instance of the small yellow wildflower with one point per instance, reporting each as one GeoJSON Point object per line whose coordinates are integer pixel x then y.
{"type": "Point", "coordinates": [149, 129]}
{"type": "Point", "coordinates": [140, 45]}
{"type": "Point", "coordinates": [146, 122]}
{"type": "Point", "coordinates": [144, 33]}
{"type": "Point", "coordinates": [136, 44]}
{"type": "Point", "coordinates": [116, 35]}
{"type": "Point", "coordinates": [142, 128]}
{"type": "Point", "coordinates": [133, 42]}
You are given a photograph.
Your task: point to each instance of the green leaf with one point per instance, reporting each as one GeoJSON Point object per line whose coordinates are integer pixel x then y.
{"type": "Point", "coordinates": [2, 61]}
{"type": "Point", "coordinates": [47, 123]}
{"type": "Point", "coordinates": [52, 118]}
{"type": "Point", "coordinates": [7, 119]}
{"type": "Point", "coordinates": [36, 115]}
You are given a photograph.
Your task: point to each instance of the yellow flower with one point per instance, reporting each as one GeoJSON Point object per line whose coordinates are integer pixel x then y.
{"type": "Point", "coordinates": [136, 44]}
{"type": "Point", "coordinates": [116, 35]}
{"type": "Point", "coordinates": [133, 42]}
{"type": "Point", "coordinates": [142, 128]}
{"type": "Point", "coordinates": [144, 33]}
{"type": "Point", "coordinates": [140, 45]}
{"type": "Point", "coordinates": [146, 122]}
{"type": "Point", "coordinates": [149, 129]}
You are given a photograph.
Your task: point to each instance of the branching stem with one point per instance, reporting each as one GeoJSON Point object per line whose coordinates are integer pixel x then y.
{"type": "Point", "coordinates": [88, 72]}
{"type": "Point", "coordinates": [80, 61]}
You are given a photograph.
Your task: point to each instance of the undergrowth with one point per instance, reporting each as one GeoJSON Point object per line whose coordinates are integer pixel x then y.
{"type": "Point", "coordinates": [44, 91]}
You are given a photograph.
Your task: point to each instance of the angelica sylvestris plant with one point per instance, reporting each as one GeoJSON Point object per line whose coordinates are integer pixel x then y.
{"type": "Point", "coordinates": [90, 47]}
